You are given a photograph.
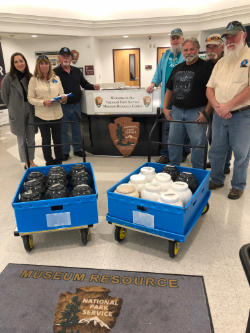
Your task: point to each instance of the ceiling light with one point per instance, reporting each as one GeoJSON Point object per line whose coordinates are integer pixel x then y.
{"type": "Point", "coordinates": [125, 36]}
{"type": "Point", "coordinates": [169, 34]}
{"type": "Point", "coordinates": [34, 36]}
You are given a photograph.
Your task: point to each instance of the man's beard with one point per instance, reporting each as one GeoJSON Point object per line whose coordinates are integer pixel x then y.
{"type": "Point", "coordinates": [66, 63]}
{"type": "Point", "coordinates": [232, 56]}
{"type": "Point", "coordinates": [211, 53]}
{"type": "Point", "coordinates": [176, 50]}
{"type": "Point", "coordinates": [191, 57]}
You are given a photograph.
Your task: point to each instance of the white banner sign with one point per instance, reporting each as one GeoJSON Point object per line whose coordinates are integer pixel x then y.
{"type": "Point", "coordinates": [122, 102]}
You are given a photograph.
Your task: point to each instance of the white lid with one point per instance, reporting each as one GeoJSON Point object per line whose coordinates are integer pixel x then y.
{"type": "Point", "coordinates": [125, 189]}
{"type": "Point", "coordinates": [153, 187]}
{"type": "Point", "coordinates": [147, 170]}
{"type": "Point", "coordinates": [137, 179]}
{"type": "Point", "coordinates": [163, 177]}
{"type": "Point", "coordinates": [179, 186]}
{"type": "Point", "coordinates": [169, 197]}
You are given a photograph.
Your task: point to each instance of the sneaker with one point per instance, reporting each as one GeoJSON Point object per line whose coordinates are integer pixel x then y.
{"type": "Point", "coordinates": [234, 194]}
{"type": "Point", "coordinates": [184, 157]}
{"type": "Point", "coordinates": [226, 171]}
{"type": "Point", "coordinates": [208, 165]}
{"type": "Point", "coordinates": [213, 186]}
{"type": "Point", "coordinates": [163, 160]}
{"type": "Point", "coordinates": [79, 153]}
{"type": "Point", "coordinates": [65, 157]}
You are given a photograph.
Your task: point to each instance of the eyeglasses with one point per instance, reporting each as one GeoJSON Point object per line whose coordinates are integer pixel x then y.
{"type": "Point", "coordinates": [43, 56]}
{"type": "Point", "coordinates": [65, 55]}
{"type": "Point", "coordinates": [213, 38]}
{"type": "Point", "coordinates": [236, 24]}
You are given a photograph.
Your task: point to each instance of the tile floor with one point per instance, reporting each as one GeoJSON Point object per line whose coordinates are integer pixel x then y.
{"type": "Point", "coordinates": [211, 250]}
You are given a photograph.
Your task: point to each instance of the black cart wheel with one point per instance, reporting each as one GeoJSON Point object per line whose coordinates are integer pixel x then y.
{"type": "Point", "coordinates": [85, 235]}
{"type": "Point", "coordinates": [173, 248]}
{"type": "Point", "coordinates": [28, 242]}
{"type": "Point", "coordinates": [205, 210]}
{"type": "Point", "coordinates": [120, 233]}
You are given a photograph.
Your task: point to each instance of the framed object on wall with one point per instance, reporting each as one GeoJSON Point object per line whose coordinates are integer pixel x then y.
{"type": "Point", "coordinates": [52, 55]}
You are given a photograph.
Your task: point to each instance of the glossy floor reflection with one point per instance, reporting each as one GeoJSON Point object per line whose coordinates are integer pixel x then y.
{"type": "Point", "coordinates": [211, 250]}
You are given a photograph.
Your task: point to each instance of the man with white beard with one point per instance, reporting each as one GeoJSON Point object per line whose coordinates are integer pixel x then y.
{"type": "Point", "coordinates": [214, 52]}
{"type": "Point", "coordinates": [169, 60]}
{"type": "Point", "coordinates": [228, 91]}
{"type": "Point", "coordinates": [72, 80]}
{"type": "Point", "coordinates": [186, 87]}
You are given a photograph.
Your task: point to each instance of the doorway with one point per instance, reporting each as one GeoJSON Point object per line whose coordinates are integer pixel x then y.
{"type": "Point", "coordinates": [160, 52]}
{"type": "Point", "coordinates": [126, 64]}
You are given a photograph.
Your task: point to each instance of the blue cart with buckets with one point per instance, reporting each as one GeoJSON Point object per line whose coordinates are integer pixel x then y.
{"type": "Point", "coordinates": [162, 220]}
{"type": "Point", "coordinates": [55, 214]}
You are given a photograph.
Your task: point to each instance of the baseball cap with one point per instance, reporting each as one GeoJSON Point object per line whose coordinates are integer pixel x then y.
{"type": "Point", "coordinates": [65, 50]}
{"type": "Point", "coordinates": [176, 32]}
{"type": "Point", "coordinates": [233, 28]}
{"type": "Point", "coordinates": [214, 39]}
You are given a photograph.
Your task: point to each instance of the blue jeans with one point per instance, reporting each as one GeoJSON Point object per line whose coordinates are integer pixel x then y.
{"type": "Point", "coordinates": [229, 153]}
{"type": "Point", "coordinates": [196, 133]}
{"type": "Point", "coordinates": [164, 151]}
{"type": "Point", "coordinates": [232, 132]}
{"type": "Point", "coordinates": [68, 115]}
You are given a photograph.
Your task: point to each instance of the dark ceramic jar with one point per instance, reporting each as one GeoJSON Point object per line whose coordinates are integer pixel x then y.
{"type": "Point", "coordinates": [57, 170]}
{"type": "Point", "coordinates": [57, 178]}
{"type": "Point", "coordinates": [190, 179]}
{"type": "Point", "coordinates": [81, 177]}
{"type": "Point", "coordinates": [172, 171]}
{"type": "Point", "coordinates": [77, 168]}
{"type": "Point", "coordinates": [56, 191]}
{"type": "Point", "coordinates": [34, 185]}
{"type": "Point", "coordinates": [37, 175]}
{"type": "Point", "coordinates": [82, 189]}
{"type": "Point", "coordinates": [30, 196]}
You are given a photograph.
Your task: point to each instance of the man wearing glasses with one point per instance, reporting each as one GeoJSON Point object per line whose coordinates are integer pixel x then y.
{"type": "Point", "coordinates": [228, 91]}
{"type": "Point", "coordinates": [168, 61]}
{"type": "Point", "coordinates": [214, 52]}
{"type": "Point", "coordinates": [72, 80]}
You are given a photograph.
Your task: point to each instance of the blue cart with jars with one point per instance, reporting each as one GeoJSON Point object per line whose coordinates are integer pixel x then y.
{"type": "Point", "coordinates": [159, 219]}
{"type": "Point", "coordinates": [50, 215]}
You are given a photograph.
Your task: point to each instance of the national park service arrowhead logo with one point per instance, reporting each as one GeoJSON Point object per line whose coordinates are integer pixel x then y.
{"type": "Point", "coordinates": [146, 101]}
{"type": "Point", "coordinates": [98, 101]}
{"type": "Point", "coordinates": [88, 310]}
{"type": "Point", "coordinates": [75, 56]}
{"type": "Point", "coordinates": [124, 134]}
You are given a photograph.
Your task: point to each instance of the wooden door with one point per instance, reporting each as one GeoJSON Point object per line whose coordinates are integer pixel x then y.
{"type": "Point", "coordinates": [127, 66]}
{"type": "Point", "coordinates": [160, 52]}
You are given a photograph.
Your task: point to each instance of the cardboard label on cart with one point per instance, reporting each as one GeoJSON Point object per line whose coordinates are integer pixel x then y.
{"type": "Point", "coordinates": [58, 219]}
{"type": "Point", "coordinates": [144, 219]}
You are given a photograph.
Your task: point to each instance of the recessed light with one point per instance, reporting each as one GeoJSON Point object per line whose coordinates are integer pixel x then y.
{"type": "Point", "coordinates": [125, 36]}
{"type": "Point", "coordinates": [34, 36]}
{"type": "Point", "coordinates": [169, 34]}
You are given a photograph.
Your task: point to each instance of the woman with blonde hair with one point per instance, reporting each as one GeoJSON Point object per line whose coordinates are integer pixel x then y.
{"type": "Point", "coordinates": [14, 94]}
{"type": "Point", "coordinates": [43, 87]}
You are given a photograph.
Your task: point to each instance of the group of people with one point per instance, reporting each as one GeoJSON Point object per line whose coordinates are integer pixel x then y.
{"type": "Point", "coordinates": [29, 99]}
{"type": "Point", "coordinates": [218, 87]}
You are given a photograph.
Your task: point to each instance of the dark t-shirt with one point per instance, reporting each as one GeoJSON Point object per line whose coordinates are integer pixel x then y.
{"type": "Point", "coordinates": [72, 81]}
{"type": "Point", "coordinates": [188, 83]}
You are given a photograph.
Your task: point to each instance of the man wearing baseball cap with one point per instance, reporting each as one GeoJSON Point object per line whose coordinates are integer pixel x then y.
{"type": "Point", "coordinates": [228, 91]}
{"type": "Point", "coordinates": [72, 80]}
{"type": "Point", "coordinates": [214, 51]}
{"type": "Point", "coordinates": [168, 61]}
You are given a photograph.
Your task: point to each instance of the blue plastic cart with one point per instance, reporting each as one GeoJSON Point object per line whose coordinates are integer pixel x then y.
{"type": "Point", "coordinates": [55, 214]}
{"type": "Point", "coordinates": [163, 220]}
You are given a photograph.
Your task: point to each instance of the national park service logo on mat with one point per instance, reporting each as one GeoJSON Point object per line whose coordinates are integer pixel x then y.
{"type": "Point", "coordinates": [75, 56]}
{"type": "Point", "coordinates": [146, 101]}
{"type": "Point", "coordinates": [88, 310]}
{"type": "Point", "coordinates": [124, 134]}
{"type": "Point", "coordinates": [98, 101]}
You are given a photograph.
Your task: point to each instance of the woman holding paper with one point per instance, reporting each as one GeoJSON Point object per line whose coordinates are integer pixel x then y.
{"type": "Point", "coordinates": [43, 87]}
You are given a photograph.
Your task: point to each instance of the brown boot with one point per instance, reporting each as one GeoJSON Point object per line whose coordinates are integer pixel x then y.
{"type": "Point", "coordinates": [234, 194]}
{"type": "Point", "coordinates": [213, 186]}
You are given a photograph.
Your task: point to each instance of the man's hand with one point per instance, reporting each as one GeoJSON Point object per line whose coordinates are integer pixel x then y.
{"type": "Point", "coordinates": [223, 111]}
{"type": "Point", "coordinates": [96, 87]}
{"type": "Point", "coordinates": [47, 103]}
{"type": "Point", "coordinates": [201, 119]}
{"type": "Point", "coordinates": [64, 99]}
{"type": "Point", "coordinates": [167, 114]}
{"type": "Point", "coordinates": [150, 89]}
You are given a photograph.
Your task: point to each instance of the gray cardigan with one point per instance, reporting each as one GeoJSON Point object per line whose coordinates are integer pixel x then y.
{"type": "Point", "coordinates": [12, 95]}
